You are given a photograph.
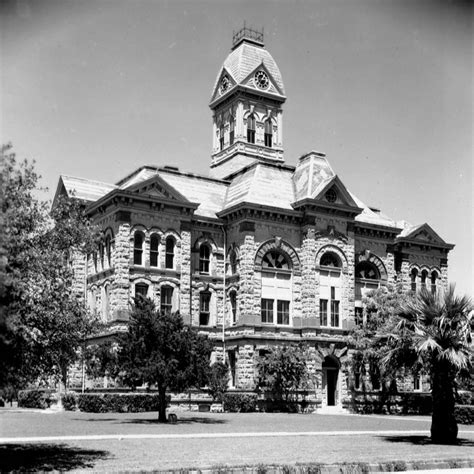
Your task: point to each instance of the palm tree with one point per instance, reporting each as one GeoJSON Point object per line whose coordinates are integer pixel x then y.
{"type": "Point", "coordinates": [433, 332]}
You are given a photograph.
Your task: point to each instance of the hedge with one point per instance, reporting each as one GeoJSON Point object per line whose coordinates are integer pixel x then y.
{"type": "Point", "coordinates": [464, 414]}
{"type": "Point", "coordinates": [405, 403]}
{"type": "Point", "coordinates": [118, 402]}
{"type": "Point", "coordinates": [69, 401]}
{"type": "Point", "coordinates": [240, 402]}
{"type": "Point", "coordinates": [35, 398]}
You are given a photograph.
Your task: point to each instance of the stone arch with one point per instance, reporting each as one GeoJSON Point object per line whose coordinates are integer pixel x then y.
{"type": "Point", "coordinates": [205, 240]}
{"type": "Point", "coordinates": [332, 249]}
{"type": "Point", "coordinates": [281, 246]}
{"type": "Point", "coordinates": [375, 260]}
{"type": "Point", "coordinates": [340, 354]}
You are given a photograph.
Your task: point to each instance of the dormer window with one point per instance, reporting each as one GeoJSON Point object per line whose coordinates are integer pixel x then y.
{"type": "Point", "coordinates": [268, 133]}
{"type": "Point", "coordinates": [251, 129]}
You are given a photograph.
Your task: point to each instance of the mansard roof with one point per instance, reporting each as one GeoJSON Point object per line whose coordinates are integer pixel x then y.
{"type": "Point", "coordinates": [243, 61]}
{"type": "Point", "coordinates": [275, 186]}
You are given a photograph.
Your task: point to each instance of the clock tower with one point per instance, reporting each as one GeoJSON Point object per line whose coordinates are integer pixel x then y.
{"type": "Point", "coordinates": [247, 104]}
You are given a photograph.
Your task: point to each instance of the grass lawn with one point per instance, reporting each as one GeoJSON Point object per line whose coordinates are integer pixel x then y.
{"type": "Point", "coordinates": [219, 439]}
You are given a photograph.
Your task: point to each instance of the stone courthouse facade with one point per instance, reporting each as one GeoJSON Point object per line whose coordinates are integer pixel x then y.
{"type": "Point", "coordinates": [259, 253]}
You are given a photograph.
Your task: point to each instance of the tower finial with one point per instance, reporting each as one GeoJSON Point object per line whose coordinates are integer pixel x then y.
{"type": "Point", "coordinates": [247, 34]}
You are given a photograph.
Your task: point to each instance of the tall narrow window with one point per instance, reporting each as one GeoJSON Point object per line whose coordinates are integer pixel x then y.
{"type": "Point", "coordinates": [204, 308]}
{"type": "Point", "coordinates": [101, 255]}
{"type": "Point", "coordinates": [166, 299]}
{"type": "Point", "coordinates": [413, 277]}
{"type": "Point", "coordinates": [334, 308]}
{"type": "Point", "coordinates": [221, 137]}
{"type": "Point", "coordinates": [283, 312]}
{"type": "Point", "coordinates": [233, 262]}
{"type": "Point", "coordinates": [268, 133]}
{"type": "Point", "coordinates": [154, 244]}
{"type": "Point", "coordinates": [359, 316]}
{"type": "Point", "coordinates": [169, 257]}
{"type": "Point", "coordinates": [231, 131]}
{"type": "Point", "coordinates": [267, 311]}
{"type": "Point", "coordinates": [105, 302]}
{"type": "Point", "coordinates": [94, 259]}
{"type": "Point", "coordinates": [424, 276]}
{"type": "Point", "coordinates": [138, 240]}
{"type": "Point", "coordinates": [251, 129]}
{"type": "Point", "coordinates": [204, 258]}
{"type": "Point", "coordinates": [434, 277]}
{"type": "Point", "coordinates": [323, 312]}
{"type": "Point", "coordinates": [233, 305]}
{"type": "Point", "coordinates": [108, 251]}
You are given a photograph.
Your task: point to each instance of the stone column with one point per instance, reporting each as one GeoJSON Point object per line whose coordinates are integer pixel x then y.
{"type": "Point", "coordinates": [308, 277]}
{"type": "Point", "coordinates": [120, 292]}
{"type": "Point", "coordinates": [185, 283]}
{"type": "Point", "coordinates": [247, 292]}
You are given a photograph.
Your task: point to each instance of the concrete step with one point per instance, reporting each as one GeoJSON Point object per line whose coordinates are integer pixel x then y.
{"type": "Point", "coordinates": [332, 410]}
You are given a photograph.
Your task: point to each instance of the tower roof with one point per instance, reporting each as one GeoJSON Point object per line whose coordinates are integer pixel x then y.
{"type": "Point", "coordinates": [247, 55]}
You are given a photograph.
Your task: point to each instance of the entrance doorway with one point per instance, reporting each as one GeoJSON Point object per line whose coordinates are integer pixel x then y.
{"type": "Point", "coordinates": [331, 374]}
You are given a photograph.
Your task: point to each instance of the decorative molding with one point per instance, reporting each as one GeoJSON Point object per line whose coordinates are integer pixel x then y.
{"type": "Point", "coordinates": [332, 232]}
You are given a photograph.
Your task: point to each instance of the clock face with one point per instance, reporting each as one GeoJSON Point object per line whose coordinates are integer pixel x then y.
{"type": "Point", "coordinates": [225, 83]}
{"type": "Point", "coordinates": [331, 195]}
{"type": "Point", "coordinates": [261, 79]}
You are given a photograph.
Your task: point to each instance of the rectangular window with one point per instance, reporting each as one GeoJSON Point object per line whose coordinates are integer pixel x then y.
{"type": "Point", "coordinates": [323, 312]}
{"type": "Point", "coordinates": [283, 312]}
{"type": "Point", "coordinates": [231, 132]}
{"type": "Point", "coordinates": [268, 140]}
{"type": "Point", "coordinates": [267, 311]}
{"type": "Point", "coordinates": [166, 300]}
{"type": "Point", "coordinates": [204, 309]}
{"type": "Point", "coordinates": [335, 314]}
{"type": "Point", "coordinates": [359, 315]}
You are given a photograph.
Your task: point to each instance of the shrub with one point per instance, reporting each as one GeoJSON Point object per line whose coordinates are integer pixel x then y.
{"type": "Point", "coordinates": [69, 401]}
{"type": "Point", "coordinates": [464, 414]}
{"type": "Point", "coordinates": [35, 398]}
{"type": "Point", "coordinates": [464, 397]}
{"type": "Point", "coordinates": [118, 402]}
{"type": "Point", "coordinates": [240, 402]}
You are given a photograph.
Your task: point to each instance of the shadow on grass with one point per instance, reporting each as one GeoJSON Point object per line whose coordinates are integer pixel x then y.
{"type": "Point", "coordinates": [181, 421]}
{"type": "Point", "coordinates": [47, 457]}
{"type": "Point", "coordinates": [422, 440]}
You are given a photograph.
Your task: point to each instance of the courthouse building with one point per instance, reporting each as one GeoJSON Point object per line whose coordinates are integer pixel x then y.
{"type": "Point", "coordinates": [259, 253]}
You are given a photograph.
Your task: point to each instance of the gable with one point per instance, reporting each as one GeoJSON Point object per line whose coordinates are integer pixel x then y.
{"type": "Point", "coordinates": [333, 191]}
{"type": "Point", "coordinates": [250, 80]}
{"type": "Point", "coordinates": [219, 90]}
{"type": "Point", "coordinates": [425, 233]}
{"type": "Point", "coordinates": [157, 187]}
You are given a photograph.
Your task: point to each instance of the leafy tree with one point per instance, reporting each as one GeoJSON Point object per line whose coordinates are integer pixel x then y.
{"type": "Point", "coordinates": [218, 380]}
{"type": "Point", "coordinates": [380, 306]}
{"type": "Point", "coordinates": [43, 321]}
{"type": "Point", "coordinates": [159, 349]}
{"type": "Point", "coordinates": [433, 332]}
{"type": "Point", "coordinates": [283, 370]}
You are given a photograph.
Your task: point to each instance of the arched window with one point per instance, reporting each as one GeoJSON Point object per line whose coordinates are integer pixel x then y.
{"type": "Point", "coordinates": [231, 130]}
{"type": "Point", "coordinates": [221, 136]}
{"type": "Point", "coordinates": [434, 277]}
{"type": "Point", "coordinates": [330, 289]}
{"type": "Point", "coordinates": [169, 257]}
{"type": "Point", "coordinates": [424, 276]}
{"type": "Point", "coordinates": [108, 251]}
{"type": "Point", "coordinates": [204, 258]}
{"type": "Point", "coordinates": [233, 305]}
{"type": "Point", "coordinates": [166, 299]}
{"type": "Point", "coordinates": [251, 128]}
{"type": "Point", "coordinates": [105, 303]}
{"type": "Point", "coordinates": [367, 270]}
{"type": "Point", "coordinates": [154, 244]}
{"type": "Point", "coordinates": [141, 290]}
{"type": "Point", "coordinates": [276, 288]}
{"type": "Point", "coordinates": [268, 133]}
{"type": "Point", "coordinates": [101, 255]}
{"type": "Point", "coordinates": [233, 262]}
{"type": "Point", "coordinates": [413, 277]}
{"type": "Point", "coordinates": [138, 240]}
{"type": "Point", "coordinates": [94, 260]}
{"type": "Point", "coordinates": [330, 259]}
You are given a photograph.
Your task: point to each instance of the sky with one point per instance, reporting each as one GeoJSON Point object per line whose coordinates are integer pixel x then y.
{"type": "Point", "coordinates": [96, 89]}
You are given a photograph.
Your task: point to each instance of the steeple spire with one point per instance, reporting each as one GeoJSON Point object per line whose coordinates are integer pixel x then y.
{"type": "Point", "coordinates": [247, 34]}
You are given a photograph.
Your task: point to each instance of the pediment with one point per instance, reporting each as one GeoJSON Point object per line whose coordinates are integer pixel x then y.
{"type": "Point", "coordinates": [157, 187]}
{"type": "Point", "coordinates": [250, 82]}
{"type": "Point", "coordinates": [425, 233]}
{"type": "Point", "coordinates": [334, 192]}
{"type": "Point", "coordinates": [219, 91]}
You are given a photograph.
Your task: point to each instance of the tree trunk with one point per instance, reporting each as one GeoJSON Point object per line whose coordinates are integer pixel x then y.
{"type": "Point", "coordinates": [444, 428]}
{"type": "Point", "coordinates": [162, 408]}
